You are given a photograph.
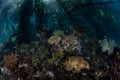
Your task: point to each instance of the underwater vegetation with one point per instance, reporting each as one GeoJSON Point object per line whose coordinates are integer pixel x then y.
{"type": "Point", "coordinates": [63, 56]}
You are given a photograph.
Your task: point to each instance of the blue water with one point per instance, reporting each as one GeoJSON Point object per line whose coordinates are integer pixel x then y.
{"type": "Point", "coordinates": [101, 20]}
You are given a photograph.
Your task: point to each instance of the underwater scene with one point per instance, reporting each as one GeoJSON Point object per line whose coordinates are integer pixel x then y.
{"type": "Point", "coordinates": [59, 39]}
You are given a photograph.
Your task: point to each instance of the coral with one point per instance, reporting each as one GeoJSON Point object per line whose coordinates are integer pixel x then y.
{"type": "Point", "coordinates": [42, 51]}
{"type": "Point", "coordinates": [34, 53]}
{"type": "Point", "coordinates": [10, 61]}
{"type": "Point", "coordinates": [115, 71]}
{"type": "Point", "coordinates": [56, 48]}
{"type": "Point", "coordinates": [56, 57]}
{"type": "Point", "coordinates": [76, 64]}
{"type": "Point", "coordinates": [108, 45]}
{"type": "Point", "coordinates": [70, 43]}
{"type": "Point", "coordinates": [118, 56]}
{"type": "Point", "coordinates": [24, 48]}
{"type": "Point", "coordinates": [58, 33]}
{"type": "Point", "coordinates": [68, 39]}
{"type": "Point", "coordinates": [35, 60]}
{"type": "Point", "coordinates": [64, 57]}
{"type": "Point", "coordinates": [99, 74]}
{"type": "Point", "coordinates": [54, 40]}
{"type": "Point", "coordinates": [104, 44]}
{"type": "Point", "coordinates": [51, 61]}
{"type": "Point", "coordinates": [37, 75]}
{"type": "Point", "coordinates": [5, 71]}
{"type": "Point", "coordinates": [50, 74]}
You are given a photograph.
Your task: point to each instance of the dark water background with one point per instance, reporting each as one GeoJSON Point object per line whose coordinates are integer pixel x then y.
{"type": "Point", "coordinates": [25, 17]}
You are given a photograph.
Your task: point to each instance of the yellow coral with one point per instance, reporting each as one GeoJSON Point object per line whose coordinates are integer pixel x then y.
{"type": "Point", "coordinates": [54, 40]}
{"type": "Point", "coordinates": [10, 61]}
{"type": "Point", "coordinates": [76, 64]}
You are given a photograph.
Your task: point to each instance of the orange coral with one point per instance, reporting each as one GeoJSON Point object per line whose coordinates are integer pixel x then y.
{"type": "Point", "coordinates": [10, 61]}
{"type": "Point", "coordinates": [76, 63]}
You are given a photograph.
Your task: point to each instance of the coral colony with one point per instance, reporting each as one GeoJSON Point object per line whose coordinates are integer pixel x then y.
{"type": "Point", "coordinates": [41, 40]}
{"type": "Point", "coordinates": [63, 56]}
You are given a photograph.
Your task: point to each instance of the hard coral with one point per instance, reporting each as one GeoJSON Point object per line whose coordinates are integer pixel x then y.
{"type": "Point", "coordinates": [69, 42]}
{"type": "Point", "coordinates": [57, 48]}
{"type": "Point", "coordinates": [10, 61]}
{"type": "Point", "coordinates": [54, 40]}
{"type": "Point", "coordinates": [76, 64]}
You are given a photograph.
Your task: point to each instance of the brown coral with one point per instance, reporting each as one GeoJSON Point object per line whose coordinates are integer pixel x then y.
{"type": "Point", "coordinates": [10, 61]}
{"type": "Point", "coordinates": [76, 64]}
